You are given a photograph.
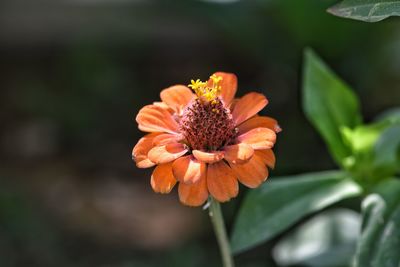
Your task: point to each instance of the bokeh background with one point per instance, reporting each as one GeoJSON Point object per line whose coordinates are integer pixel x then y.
{"type": "Point", "coordinates": [73, 75]}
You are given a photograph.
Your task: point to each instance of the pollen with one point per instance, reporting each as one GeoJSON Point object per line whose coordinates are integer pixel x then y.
{"type": "Point", "coordinates": [207, 91]}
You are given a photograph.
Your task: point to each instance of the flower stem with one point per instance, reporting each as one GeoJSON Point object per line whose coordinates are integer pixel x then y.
{"type": "Point", "coordinates": [219, 227]}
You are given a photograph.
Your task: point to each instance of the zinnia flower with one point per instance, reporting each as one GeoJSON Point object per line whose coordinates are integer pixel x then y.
{"type": "Point", "coordinates": [206, 140]}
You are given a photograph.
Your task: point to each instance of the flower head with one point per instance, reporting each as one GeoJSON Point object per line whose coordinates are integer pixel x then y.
{"type": "Point", "coordinates": [206, 140]}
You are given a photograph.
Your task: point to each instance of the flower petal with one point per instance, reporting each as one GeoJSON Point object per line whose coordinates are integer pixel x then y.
{"type": "Point", "coordinates": [162, 179]}
{"type": "Point", "coordinates": [258, 138]}
{"type": "Point", "coordinates": [221, 182]}
{"type": "Point", "coordinates": [144, 162]}
{"type": "Point", "coordinates": [153, 118]}
{"type": "Point", "coordinates": [167, 153]}
{"type": "Point", "coordinates": [141, 149]}
{"type": "Point", "coordinates": [268, 156]}
{"type": "Point", "coordinates": [208, 157]}
{"type": "Point", "coordinates": [188, 169]}
{"type": "Point", "coordinates": [251, 173]}
{"type": "Point", "coordinates": [233, 104]}
{"type": "Point", "coordinates": [193, 194]}
{"type": "Point", "coordinates": [177, 97]}
{"type": "Point", "coordinates": [238, 153]}
{"type": "Point", "coordinates": [164, 139]}
{"type": "Point", "coordinates": [164, 106]}
{"type": "Point", "coordinates": [228, 86]}
{"type": "Point", "coordinates": [248, 106]}
{"type": "Point", "coordinates": [259, 121]}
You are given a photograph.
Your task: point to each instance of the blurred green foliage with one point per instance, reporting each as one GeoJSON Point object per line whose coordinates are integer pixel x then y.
{"type": "Point", "coordinates": [269, 211]}
{"type": "Point", "coordinates": [74, 74]}
{"type": "Point", "coordinates": [333, 110]}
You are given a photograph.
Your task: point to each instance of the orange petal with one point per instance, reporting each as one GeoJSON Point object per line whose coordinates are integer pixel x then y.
{"type": "Point", "coordinates": [228, 86]}
{"type": "Point", "coordinates": [144, 162]}
{"type": "Point", "coordinates": [167, 153]}
{"type": "Point", "coordinates": [233, 104]}
{"type": "Point", "coordinates": [258, 138]}
{"type": "Point", "coordinates": [164, 106]}
{"type": "Point", "coordinates": [268, 156]}
{"type": "Point", "coordinates": [153, 118]}
{"type": "Point", "coordinates": [164, 139]}
{"type": "Point", "coordinates": [188, 169]}
{"type": "Point", "coordinates": [141, 149]}
{"type": "Point", "coordinates": [193, 194]}
{"type": "Point", "coordinates": [208, 157]}
{"type": "Point", "coordinates": [177, 97]}
{"type": "Point", "coordinates": [239, 153]}
{"type": "Point", "coordinates": [251, 173]}
{"type": "Point", "coordinates": [221, 182]}
{"type": "Point", "coordinates": [248, 106]}
{"type": "Point", "coordinates": [259, 121]}
{"type": "Point", "coordinates": [162, 179]}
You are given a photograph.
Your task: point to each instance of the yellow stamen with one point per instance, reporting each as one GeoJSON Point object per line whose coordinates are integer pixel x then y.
{"type": "Point", "coordinates": [216, 79]}
{"type": "Point", "coordinates": [205, 91]}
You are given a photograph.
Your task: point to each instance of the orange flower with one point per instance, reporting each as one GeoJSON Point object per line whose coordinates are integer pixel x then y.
{"type": "Point", "coordinates": [207, 140]}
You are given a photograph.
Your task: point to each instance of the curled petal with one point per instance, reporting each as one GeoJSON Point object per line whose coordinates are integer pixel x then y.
{"type": "Point", "coordinates": [238, 153]}
{"type": "Point", "coordinates": [141, 149]}
{"type": "Point", "coordinates": [177, 97]}
{"type": "Point", "coordinates": [208, 157]}
{"type": "Point", "coordinates": [228, 86]}
{"type": "Point", "coordinates": [251, 173]}
{"type": "Point", "coordinates": [143, 162]}
{"type": "Point", "coordinates": [162, 179]}
{"type": "Point", "coordinates": [167, 153]}
{"type": "Point", "coordinates": [258, 138]}
{"type": "Point", "coordinates": [248, 106]}
{"type": "Point", "coordinates": [164, 106]}
{"type": "Point", "coordinates": [153, 118]}
{"type": "Point", "coordinates": [259, 121]}
{"type": "Point", "coordinates": [188, 170]}
{"type": "Point", "coordinates": [164, 139]}
{"type": "Point", "coordinates": [268, 157]}
{"type": "Point", "coordinates": [193, 194]}
{"type": "Point", "coordinates": [221, 181]}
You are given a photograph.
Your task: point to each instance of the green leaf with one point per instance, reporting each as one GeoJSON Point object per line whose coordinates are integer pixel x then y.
{"type": "Point", "coordinates": [326, 240]}
{"type": "Point", "coordinates": [392, 116]}
{"type": "Point", "coordinates": [363, 138]}
{"type": "Point", "coordinates": [379, 244]}
{"type": "Point", "coordinates": [366, 10]}
{"type": "Point", "coordinates": [329, 104]}
{"type": "Point", "coordinates": [281, 202]}
{"type": "Point", "coordinates": [374, 151]}
{"type": "Point", "coordinates": [387, 148]}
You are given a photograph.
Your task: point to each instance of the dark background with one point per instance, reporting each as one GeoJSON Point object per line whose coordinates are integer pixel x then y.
{"type": "Point", "coordinates": [73, 75]}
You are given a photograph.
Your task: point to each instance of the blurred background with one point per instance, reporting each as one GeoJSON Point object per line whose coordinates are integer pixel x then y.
{"type": "Point", "coordinates": [74, 74]}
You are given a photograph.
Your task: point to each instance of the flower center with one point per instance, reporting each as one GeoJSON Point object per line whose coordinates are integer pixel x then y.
{"type": "Point", "coordinates": [206, 123]}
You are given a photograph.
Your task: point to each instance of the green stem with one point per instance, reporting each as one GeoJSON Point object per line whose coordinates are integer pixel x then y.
{"type": "Point", "coordinates": [219, 227]}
